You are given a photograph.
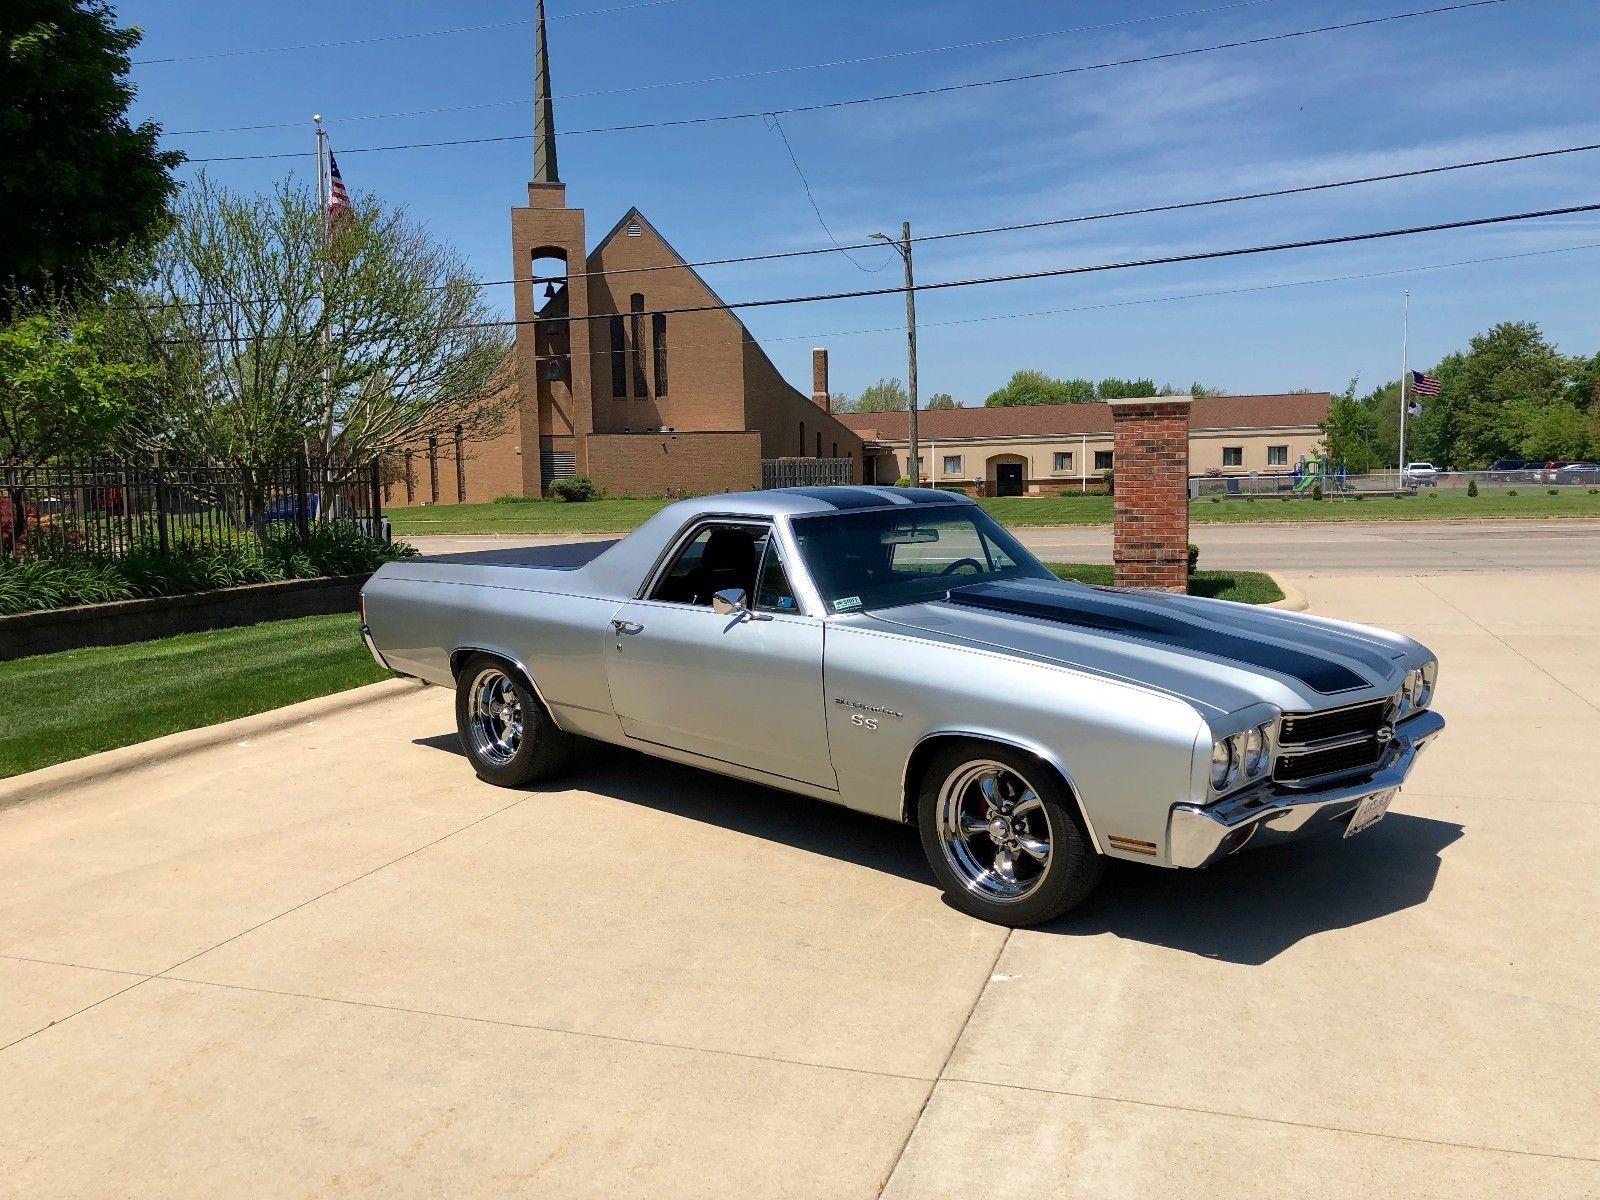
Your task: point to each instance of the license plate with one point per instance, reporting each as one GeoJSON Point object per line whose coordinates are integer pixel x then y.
{"type": "Point", "coordinates": [1369, 812]}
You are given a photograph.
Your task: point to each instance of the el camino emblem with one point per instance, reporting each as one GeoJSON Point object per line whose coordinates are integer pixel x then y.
{"type": "Point", "coordinates": [864, 707]}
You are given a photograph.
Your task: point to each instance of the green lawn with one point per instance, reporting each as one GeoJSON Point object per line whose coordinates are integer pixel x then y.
{"type": "Point", "coordinates": [620, 516]}
{"type": "Point", "coordinates": [56, 707]}
{"type": "Point", "coordinates": [1247, 587]}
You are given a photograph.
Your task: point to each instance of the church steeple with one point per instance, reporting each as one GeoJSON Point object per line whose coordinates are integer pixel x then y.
{"type": "Point", "coordinates": [544, 122]}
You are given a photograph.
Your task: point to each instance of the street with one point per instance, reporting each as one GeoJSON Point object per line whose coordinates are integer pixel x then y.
{"type": "Point", "coordinates": [329, 961]}
{"type": "Point", "coordinates": [1445, 547]}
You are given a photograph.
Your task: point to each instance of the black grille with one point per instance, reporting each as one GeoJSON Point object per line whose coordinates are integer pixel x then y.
{"type": "Point", "coordinates": [1299, 728]}
{"type": "Point", "coordinates": [1291, 768]}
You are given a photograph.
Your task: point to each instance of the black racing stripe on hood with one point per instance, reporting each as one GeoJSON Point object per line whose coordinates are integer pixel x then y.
{"type": "Point", "coordinates": [1090, 611]}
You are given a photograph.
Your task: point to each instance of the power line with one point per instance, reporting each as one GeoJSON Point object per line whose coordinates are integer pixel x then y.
{"type": "Point", "coordinates": [1207, 295]}
{"type": "Point", "coordinates": [1142, 210]}
{"type": "Point", "coordinates": [918, 93]}
{"type": "Point", "coordinates": [740, 75]}
{"type": "Point", "coordinates": [777, 126]}
{"type": "Point", "coordinates": [392, 37]}
{"type": "Point", "coordinates": [1046, 273]}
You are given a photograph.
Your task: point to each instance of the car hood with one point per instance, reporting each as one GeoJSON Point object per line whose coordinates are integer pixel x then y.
{"type": "Point", "coordinates": [1216, 654]}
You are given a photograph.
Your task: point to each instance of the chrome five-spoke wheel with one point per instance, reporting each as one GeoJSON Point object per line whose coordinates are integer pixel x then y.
{"type": "Point", "coordinates": [994, 831]}
{"type": "Point", "coordinates": [495, 716]}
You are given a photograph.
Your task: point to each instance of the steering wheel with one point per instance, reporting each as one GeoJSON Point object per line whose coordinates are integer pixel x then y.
{"type": "Point", "coordinates": [974, 564]}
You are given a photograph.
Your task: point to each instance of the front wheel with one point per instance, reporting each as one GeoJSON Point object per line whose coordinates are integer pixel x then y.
{"type": "Point", "coordinates": [508, 736]}
{"type": "Point", "coordinates": [1003, 836]}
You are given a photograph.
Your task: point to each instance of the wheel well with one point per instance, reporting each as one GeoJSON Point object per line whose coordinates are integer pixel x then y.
{"type": "Point", "coordinates": [458, 659]}
{"type": "Point", "coordinates": [926, 750]}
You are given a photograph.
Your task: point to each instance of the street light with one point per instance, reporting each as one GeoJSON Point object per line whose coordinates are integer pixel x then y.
{"type": "Point", "coordinates": [903, 245]}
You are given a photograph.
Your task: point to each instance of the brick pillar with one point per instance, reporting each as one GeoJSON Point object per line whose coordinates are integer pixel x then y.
{"type": "Point", "coordinates": [1150, 543]}
{"type": "Point", "coordinates": [820, 395]}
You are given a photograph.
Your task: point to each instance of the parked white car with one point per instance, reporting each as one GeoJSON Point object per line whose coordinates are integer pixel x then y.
{"type": "Point", "coordinates": [1420, 474]}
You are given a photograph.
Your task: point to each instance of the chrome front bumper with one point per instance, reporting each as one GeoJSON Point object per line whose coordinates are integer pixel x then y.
{"type": "Point", "coordinates": [1197, 836]}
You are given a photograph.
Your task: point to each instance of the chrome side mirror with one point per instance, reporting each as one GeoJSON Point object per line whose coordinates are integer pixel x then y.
{"type": "Point", "coordinates": [729, 603]}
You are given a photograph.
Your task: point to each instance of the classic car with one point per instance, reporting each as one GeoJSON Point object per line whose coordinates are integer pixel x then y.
{"type": "Point", "coordinates": [897, 651]}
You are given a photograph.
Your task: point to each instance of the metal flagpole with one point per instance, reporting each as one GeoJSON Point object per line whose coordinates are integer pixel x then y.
{"type": "Point", "coordinates": [1405, 379]}
{"type": "Point", "coordinates": [323, 188]}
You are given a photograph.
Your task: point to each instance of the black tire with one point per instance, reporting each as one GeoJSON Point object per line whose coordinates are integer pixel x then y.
{"type": "Point", "coordinates": [953, 795]}
{"type": "Point", "coordinates": [540, 750]}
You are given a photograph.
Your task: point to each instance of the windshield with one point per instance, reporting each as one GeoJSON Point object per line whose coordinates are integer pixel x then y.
{"type": "Point", "coordinates": [885, 557]}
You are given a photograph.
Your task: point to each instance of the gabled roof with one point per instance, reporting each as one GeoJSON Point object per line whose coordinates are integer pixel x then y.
{"type": "Point", "coordinates": [1292, 410]}
{"type": "Point", "coordinates": [633, 214]}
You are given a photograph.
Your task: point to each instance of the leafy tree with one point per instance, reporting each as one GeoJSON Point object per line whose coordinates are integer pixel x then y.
{"type": "Point", "coordinates": [941, 400]}
{"type": "Point", "coordinates": [1494, 394]}
{"type": "Point", "coordinates": [887, 395]}
{"type": "Point", "coordinates": [1035, 387]}
{"type": "Point", "coordinates": [63, 385]}
{"type": "Point", "coordinates": [79, 179]}
{"type": "Point", "coordinates": [361, 351]}
{"type": "Point", "coordinates": [1118, 389]}
{"type": "Point", "coordinates": [1199, 390]}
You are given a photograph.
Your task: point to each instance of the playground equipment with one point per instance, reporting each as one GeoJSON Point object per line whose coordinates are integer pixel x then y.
{"type": "Point", "coordinates": [1315, 469]}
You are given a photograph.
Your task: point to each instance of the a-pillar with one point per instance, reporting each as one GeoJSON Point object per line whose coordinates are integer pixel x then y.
{"type": "Point", "coordinates": [1150, 545]}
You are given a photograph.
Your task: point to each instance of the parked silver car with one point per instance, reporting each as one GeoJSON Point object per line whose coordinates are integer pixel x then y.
{"type": "Point", "coordinates": [898, 652]}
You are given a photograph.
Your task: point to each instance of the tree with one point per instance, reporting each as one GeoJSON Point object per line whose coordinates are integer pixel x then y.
{"type": "Point", "coordinates": [79, 179]}
{"type": "Point", "coordinates": [1349, 432]}
{"type": "Point", "coordinates": [887, 395]}
{"type": "Point", "coordinates": [267, 344]}
{"type": "Point", "coordinates": [63, 387]}
{"type": "Point", "coordinates": [940, 400]}
{"type": "Point", "coordinates": [1494, 395]}
{"type": "Point", "coordinates": [1035, 387]}
{"type": "Point", "coordinates": [1118, 389]}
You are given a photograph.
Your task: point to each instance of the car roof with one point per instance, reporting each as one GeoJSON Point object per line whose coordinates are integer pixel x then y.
{"type": "Point", "coordinates": [810, 501]}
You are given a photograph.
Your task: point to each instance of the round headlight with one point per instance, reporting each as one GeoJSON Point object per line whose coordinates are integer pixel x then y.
{"type": "Point", "coordinates": [1222, 766]}
{"type": "Point", "coordinates": [1429, 676]}
{"type": "Point", "coordinates": [1255, 750]}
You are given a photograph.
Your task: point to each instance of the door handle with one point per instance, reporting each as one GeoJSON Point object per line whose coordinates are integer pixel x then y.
{"type": "Point", "coordinates": [629, 627]}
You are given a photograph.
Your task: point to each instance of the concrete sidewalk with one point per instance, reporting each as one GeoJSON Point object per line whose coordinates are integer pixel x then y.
{"type": "Point", "coordinates": [329, 962]}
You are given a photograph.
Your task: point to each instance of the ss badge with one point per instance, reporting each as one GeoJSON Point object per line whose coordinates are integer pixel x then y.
{"type": "Point", "coordinates": [864, 721]}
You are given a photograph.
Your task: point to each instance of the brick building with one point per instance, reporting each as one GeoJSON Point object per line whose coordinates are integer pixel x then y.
{"type": "Point", "coordinates": [614, 385]}
{"type": "Point", "coordinates": [1045, 449]}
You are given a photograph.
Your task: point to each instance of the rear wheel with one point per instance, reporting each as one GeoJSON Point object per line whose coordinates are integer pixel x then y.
{"type": "Point", "coordinates": [1003, 835]}
{"type": "Point", "coordinates": [505, 731]}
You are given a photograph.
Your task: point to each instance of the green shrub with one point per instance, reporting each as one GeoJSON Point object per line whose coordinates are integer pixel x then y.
{"type": "Point", "coordinates": [1594, 491]}
{"type": "Point", "coordinates": [1316, 491]}
{"type": "Point", "coordinates": [509, 498]}
{"type": "Point", "coordinates": [1511, 491]}
{"type": "Point", "coordinates": [27, 584]}
{"type": "Point", "coordinates": [1110, 480]}
{"type": "Point", "coordinates": [1553, 491]}
{"type": "Point", "coordinates": [1194, 556]}
{"type": "Point", "coordinates": [574, 489]}
{"type": "Point", "coordinates": [1472, 488]}
{"type": "Point", "coordinates": [903, 481]}
{"type": "Point", "coordinates": [1216, 499]}
{"type": "Point", "coordinates": [1358, 496]}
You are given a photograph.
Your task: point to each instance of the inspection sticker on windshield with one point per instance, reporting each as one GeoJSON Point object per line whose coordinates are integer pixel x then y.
{"type": "Point", "coordinates": [845, 603]}
{"type": "Point", "coordinates": [1369, 812]}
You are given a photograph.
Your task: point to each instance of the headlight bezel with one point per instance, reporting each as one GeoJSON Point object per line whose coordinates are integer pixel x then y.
{"type": "Point", "coordinates": [1228, 764]}
{"type": "Point", "coordinates": [1257, 761]}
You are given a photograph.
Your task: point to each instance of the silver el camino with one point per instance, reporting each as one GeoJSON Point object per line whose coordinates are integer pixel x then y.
{"type": "Point", "coordinates": [898, 652]}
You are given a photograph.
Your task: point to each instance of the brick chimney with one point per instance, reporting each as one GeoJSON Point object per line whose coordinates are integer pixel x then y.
{"type": "Point", "coordinates": [820, 395]}
{"type": "Point", "coordinates": [1150, 540]}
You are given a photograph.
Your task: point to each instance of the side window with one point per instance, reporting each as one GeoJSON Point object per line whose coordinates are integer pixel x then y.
{"type": "Point", "coordinates": [717, 557]}
{"type": "Point", "coordinates": [773, 593]}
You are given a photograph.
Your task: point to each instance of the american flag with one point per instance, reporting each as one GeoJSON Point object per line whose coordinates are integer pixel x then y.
{"type": "Point", "coordinates": [1424, 385]}
{"type": "Point", "coordinates": [339, 210]}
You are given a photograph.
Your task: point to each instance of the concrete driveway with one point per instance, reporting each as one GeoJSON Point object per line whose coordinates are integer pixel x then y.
{"type": "Point", "coordinates": [329, 962]}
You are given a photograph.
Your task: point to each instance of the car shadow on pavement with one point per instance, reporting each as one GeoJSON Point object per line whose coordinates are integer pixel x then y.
{"type": "Point", "coordinates": [1247, 909]}
{"type": "Point", "coordinates": [749, 808]}
{"type": "Point", "coordinates": [1251, 908]}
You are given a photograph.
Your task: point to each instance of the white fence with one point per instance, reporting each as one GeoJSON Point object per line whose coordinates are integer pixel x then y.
{"type": "Point", "coordinates": [1389, 482]}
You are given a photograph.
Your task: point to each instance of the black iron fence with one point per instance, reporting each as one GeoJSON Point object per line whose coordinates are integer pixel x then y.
{"type": "Point", "coordinates": [110, 509]}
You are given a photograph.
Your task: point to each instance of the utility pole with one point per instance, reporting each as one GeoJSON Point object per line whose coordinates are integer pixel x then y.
{"type": "Point", "coordinates": [1405, 379]}
{"type": "Point", "coordinates": [904, 247]}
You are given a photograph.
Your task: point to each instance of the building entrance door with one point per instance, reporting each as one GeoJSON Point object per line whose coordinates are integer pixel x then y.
{"type": "Point", "coordinates": [1008, 479]}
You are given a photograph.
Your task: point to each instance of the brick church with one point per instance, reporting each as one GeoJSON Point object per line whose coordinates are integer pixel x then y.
{"type": "Point", "coordinates": [642, 401]}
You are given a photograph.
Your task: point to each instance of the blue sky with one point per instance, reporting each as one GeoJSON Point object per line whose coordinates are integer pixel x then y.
{"type": "Point", "coordinates": [1512, 77]}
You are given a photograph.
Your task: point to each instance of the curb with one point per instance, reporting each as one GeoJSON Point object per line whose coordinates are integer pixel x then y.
{"type": "Point", "coordinates": [1294, 600]}
{"type": "Point", "coordinates": [52, 781]}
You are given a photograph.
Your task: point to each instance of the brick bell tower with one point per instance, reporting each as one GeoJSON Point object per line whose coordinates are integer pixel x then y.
{"type": "Point", "coordinates": [552, 334]}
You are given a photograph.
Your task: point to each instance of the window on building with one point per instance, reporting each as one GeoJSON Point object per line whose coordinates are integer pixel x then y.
{"type": "Point", "coordinates": [1103, 460]}
{"type": "Point", "coordinates": [641, 386]}
{"type": "Point", "coordinates": [819, 443]}
{"type": "Point", "coordinates": [1233, 456]}
{"type": "Point", "coordinates": [802, 438]}
{"type": "Point", "coordinates": [658, 341]}
{"type": "Point", "coordinates": [1062, 460]}
{"type": "Point", "coordinates": [1277, 456]}
{"type": "Point", "coordinates": [952, 464]}
{"type": "Point", "coordinates": [619, 359]}
{"type": "Point", "coordinates": [836, 450]}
